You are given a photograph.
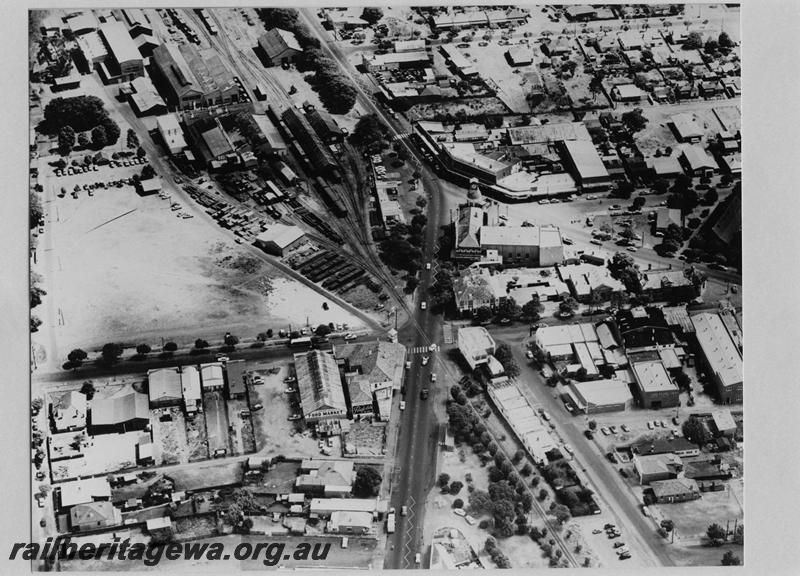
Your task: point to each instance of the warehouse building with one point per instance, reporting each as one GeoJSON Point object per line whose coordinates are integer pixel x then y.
{"type": "Point", "coordinates": [656, 389]}
{"type": "Point", "coordinates": [125, 411]}
{"type": "Point", "coordinates": [586, 165]}
{"type": "Point", "coordinates": [164, 387]}
{"type": "Point", "coordinates": [191, 79]}
{"type": "Point", "coordinates": [279, 239]}
{"type": "Point", "coordinates": [320, 385]}
{"type": "Point", "coordinates": [279, 46]}
{"type": "Point", "coordinates": [124, 62]}
{"type": "Point", "coordinates": [598, 396]}
{"type": "Point", "coordinates": [720, 356]}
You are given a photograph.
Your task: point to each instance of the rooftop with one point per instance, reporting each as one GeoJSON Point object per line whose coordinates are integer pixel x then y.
{"type": "Point", "coordinates": [474, 339]}
{"type": "Point", "coordinates": [122, 407]}
{"type": "Point", "coordinates": [673, 487]}
{"type": "Point", "coordinates": [547, 133]}
{"type": "Point", "coordinates": [120, 43]}
{"type": "Point", "coordinates": [586, 159]}
{"type": "Point", "coordinates": [663, 446]}
{"type": "Point", "coordinates": [652, 376]}
{"type": "Point", "coordinates": [164, 384]}
{"type": "Point", "coordinates": [602, 392]}
{"type": "Point", "coordinates": [82, 491]}
{"type": "Point", "coordinates": [276, 41]}
{"type": "Point", "coordinates": [319, 382]}
{"type": "Point", "coordinates": [698, 158]}
{"type": "Point", "coordinates": [281, 235]}
{"type": "Point", "coordinates": [719, 349]}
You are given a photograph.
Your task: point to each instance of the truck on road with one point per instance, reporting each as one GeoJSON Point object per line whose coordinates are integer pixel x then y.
{"type": "Point", "coordinates": [390, 522]}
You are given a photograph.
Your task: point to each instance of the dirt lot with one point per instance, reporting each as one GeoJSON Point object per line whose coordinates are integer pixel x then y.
{"type": "Point", "coordinates": [169, 436]}
{"type": "Point", "coordinates": [274, 433]}
{"type": "Point", "coordinates": [216, 422]}
{"type": "Point", "coordinates": [471, 107]}
{"type": "Point", "coordinates": [693, 518]}
{"type": "Point", "coordinates": [207, 474]}
{"type": "Point", "coordinates": [197, 438]}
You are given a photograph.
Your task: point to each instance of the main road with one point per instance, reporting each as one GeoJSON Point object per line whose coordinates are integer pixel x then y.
{"type": "Point", "coordinates": [415, 458]}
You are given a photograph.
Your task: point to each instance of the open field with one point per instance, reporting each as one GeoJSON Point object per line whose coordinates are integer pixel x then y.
{"type": "Point", "coordinates": [693, 518]}
{"type": "Point", "coordinates": [163, 277]}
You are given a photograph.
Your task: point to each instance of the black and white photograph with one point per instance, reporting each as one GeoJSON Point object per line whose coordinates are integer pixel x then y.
{"type": "Point", "coordinates": [397, 287]}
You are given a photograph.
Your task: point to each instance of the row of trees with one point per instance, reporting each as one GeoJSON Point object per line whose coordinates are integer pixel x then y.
{"type": "Point", "coordinates": [70, 118]}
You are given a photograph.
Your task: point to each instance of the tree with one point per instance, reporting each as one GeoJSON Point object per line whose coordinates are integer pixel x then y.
{"type": "Point", "coordinates": [693, 41]}
{"type": "Point", "coordinates": [200, 344]}
{"type": "Point", "coordinates": [111, 352]}
{"type": "Point", "coordinates": [66, 140]}
{"type": "Point", "coordinates": [624, 190]}
{"type": "Point", "coordinates": [77, 356]}
{"type": "Point", "coordinates": [711, 196]}
{"type": "Point", "coordinates": [479, 503]}
{"type": "Point", "coordinates": [170, 347]}
{"type": "Point", "coordinates": [322, 330]}
{"type": "Point", "coordinates": [532, 309]}
{"type": "Point", "coordinates": [724, 40]}
{"type": "Point", "coordinates": [143, 349]}
{"type": "Point", "coordinates": [508, 308]}
{"type": "Point", "coordinates": [638, 202]}
{"type": "Point", "coordinates": [148, 172]}
{"type": "Point", "coordinates": [623, 268]}
{"type": "Point", "coordinates": [596, 84]}
{"type": "Point", "coordinates": [367, 483]}
{"type": "Point", "coordinates": [83, 140]}
{"type": "Point", "coordinates": [683, 380]}
{"type": "Point", "coordinates": [568, 304]}
{"type": "Point", "coordinates": [339, 95]}
{"type": "Point", "coordinates": [716, 534]}
{"type": "Point", "coordinates": [372, 15]}
{"type": "Point", "coordinates": [542, 494]}
{"type": "Point", "coordinates": [133, 139]}
{"type": "Point", "coordinates": [443, 480]}
{"type": "Point", "coordinates": [231, 340]}
{"type": "Point", "coordinates": [482, 314]}
{"type": "Point", "coordinates": [79, 112]}
{"type": "Point", "coordinates": [88, 389]}
{"type": "Point", "coordinates": [112, 130]}
{"type": "Point", "coordinates": [370, 132]}
{"type": "Point", "coordinates": [455, 487]}
{"type": "Point", "coordinates": [35, 322]}
{"type": "Point", "coordinates": [731, 559]}
{"type": "Point", "coordinates": [561, 513]}
{"type": "Point", "coordinates": [527, 470]}
{"type": "Point", "coordinates": [99, 138]}
{"type": "Point", "coordinates": [711, 46]}
{"type": "Point", "coordinates": [458, 503]}
{"type": "Point", "coordinates": [634, 120]}
{"type": "Point", "coordinates": [695, 431]}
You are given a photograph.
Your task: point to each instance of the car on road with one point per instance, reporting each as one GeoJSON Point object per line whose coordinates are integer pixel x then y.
{"type": "Point", "coordinates": [428, 266]}
{"type": "Point", "coordinates": [403, 510]}
{"type": "Point", "coordinates": [546, 416]}
{"type": "Point", "coordinates": [294, 417]}
{"type": "Point", "coordinates": [675, 420]}
{"type": "Point", "coordinates": [605, 431]}
{"type": "Point", "coordinates": [425, 360]}
{"type": "Point", "coordinates": [418, 558]}
{"type": "Point", "coordinates": [529, 355]}
{"type": "Point", "coordinates": [423, 394]}
{"type": "Point", "coordinates": [257, 407]}
{"type": "Point", "coordinates": [40, 475]}
{"type": "Point", "coordinates": [568, 448]}
{"type": "Point", "coordinates": [350, 336]}
{"type": "Point", "coordinates": [631, 248]}
{"type": "Point", "coordinates": [567, 241]}
{"type": "Point", "coordinates": [289, 391]}
{"type": "Point", "coordinates": [433, 376]}
{"type": "Point", "coordinates": [589, 434]}
{"type": "Point", "coordinates": [223, 359]}
{"type": "Point", "coordinates": [423, 305]}
{"type": "Point", "coordinates": [289, 379]}
{"type": "Point", "coordinates": [596, 242]}
{"type": "Point", "coordinates": [408, 364]}
{"type": "Point", "coordinates": [402, 405]}
{"type": "Point", "coordinates": [544, 201]}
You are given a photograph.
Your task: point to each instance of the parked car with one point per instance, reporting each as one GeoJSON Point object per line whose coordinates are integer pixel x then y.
{"type": "Point", "coordinates": [425, 360]}
{"type": "Point", "coordinates": [589, 434]}
{"type": "Point", "coordinates": [605, 431]}
{"type": "Point", "coordinates": [402, 405]}
{"type": "Point", "coordinates": [424, 305]}
{"type": "Point", "coordinates": [257, 407]}
{"type": "Point", "coordinates": [625, 428]}
{"type": "Point", "coordinates": [619, 544]}
{"type": "Point", "coordinates": [649, 425]}
{"type": "Point", "coordinates": [612, 457]}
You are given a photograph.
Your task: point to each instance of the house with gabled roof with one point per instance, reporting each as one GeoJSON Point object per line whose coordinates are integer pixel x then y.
{"type": "Point", "coordinates": [94, 516]}
{"type": "Point", "coordinates": [320, 385]}
{"type": "Point", "coordinates": [279, 46]}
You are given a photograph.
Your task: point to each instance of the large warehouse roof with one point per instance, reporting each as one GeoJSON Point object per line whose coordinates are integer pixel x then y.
{"type": "Point", "coordinates": [122, 46]}
{"type": "Point", "coordinates": [586, 159]}
{"type": "Point", "coordinates": [280, 234]}
{"type": "Point", "coordinates": [718, 347]}
{"type": "Point", "coordinates": [599, 393]}
{"type": "Point", "coordinates": [653, 377]}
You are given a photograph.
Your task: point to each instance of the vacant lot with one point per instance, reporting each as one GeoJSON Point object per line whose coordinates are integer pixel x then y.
{"type": "Point", "coordinates": [197, 438]}
{"type": "Point", "coordinates": [169, 436]}
{"type": "Point", "coordinates": [216, 421]}
{"type": "Point", "coordinates": [121, 267]}
{"type": "Point", "coordinates": [693, 518]}
{"type": "Point", "coordinates": [274, 433]}
{"type": "Point", "coordinates": [472, 107]}
{"type": "Point", "coordinates": [210, 474]}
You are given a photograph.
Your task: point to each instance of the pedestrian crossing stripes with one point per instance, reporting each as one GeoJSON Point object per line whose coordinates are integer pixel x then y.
{"type": "Point", "coordinates": [400, 136]}
{"type": "Point", "coordinates": [422, 349]}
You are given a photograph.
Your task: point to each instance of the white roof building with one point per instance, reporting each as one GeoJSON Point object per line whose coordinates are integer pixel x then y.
{"type": "Point", "coordinates": [719, 349]}
{"type": "Point", "coordinates": [190, 386]}
{"type": "Point", "coordinates": [170, 129]}
{"type": "Point", "coordinates": [476, 345]}
{"type": "Point", "coordinates": [83, 491]}
{"type": "Point", "coordinates": [211, 376]}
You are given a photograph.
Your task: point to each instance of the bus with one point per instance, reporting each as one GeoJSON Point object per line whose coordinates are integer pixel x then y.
{"type": "Point", "coordinates": [302, 342]}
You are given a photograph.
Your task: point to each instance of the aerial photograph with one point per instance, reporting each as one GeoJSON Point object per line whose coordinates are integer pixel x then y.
{"type": "Point", "coordinates": [408, 287]}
